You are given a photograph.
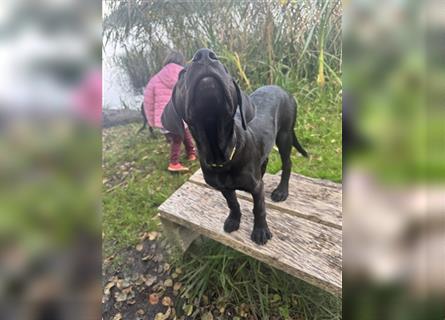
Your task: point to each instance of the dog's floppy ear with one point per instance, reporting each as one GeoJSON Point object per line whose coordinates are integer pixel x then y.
{"type": "Point", "coordinates": [240, 104]}
{"type": "Point", "coordinates": [173, 115]}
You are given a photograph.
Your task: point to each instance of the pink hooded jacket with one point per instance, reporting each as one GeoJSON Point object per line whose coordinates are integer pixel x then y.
{"type": "Point", "coordinates": [158, 92]}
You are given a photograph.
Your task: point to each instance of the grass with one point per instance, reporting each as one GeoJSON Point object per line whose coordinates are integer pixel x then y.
{"type": "Point", "coordinates": [136, 182]}
{"type": "Point", "coordinates": [237, 281]}
{"type": "Point", "coordinates": [319, 130]}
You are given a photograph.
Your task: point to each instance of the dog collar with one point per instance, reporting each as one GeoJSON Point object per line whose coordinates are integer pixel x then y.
{"type": "Point", "coordinates": [214, 165]}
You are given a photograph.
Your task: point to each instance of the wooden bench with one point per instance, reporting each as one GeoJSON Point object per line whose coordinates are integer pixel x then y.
{"type": "Point", "coordinates": [306, 228]}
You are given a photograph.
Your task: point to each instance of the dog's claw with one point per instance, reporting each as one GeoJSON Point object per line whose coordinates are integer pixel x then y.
{"type": "Point", "coordinates": [261, 235]}
{"type": "Point", "coordinates": [279, 195]}
{"type": "Point", "coordinates": [231, 225]}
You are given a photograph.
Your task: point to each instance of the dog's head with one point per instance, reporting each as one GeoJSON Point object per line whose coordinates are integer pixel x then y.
{"type": "Point", "coordinates": [207, 98]}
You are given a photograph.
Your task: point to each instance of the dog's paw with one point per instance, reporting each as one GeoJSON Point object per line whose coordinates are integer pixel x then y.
{"type": "Point", "coordinates": [231, 225]}
{"type": "Point", "coordinates": [279, 195]}
{"type": "Point", "coordinates": [261, 235]}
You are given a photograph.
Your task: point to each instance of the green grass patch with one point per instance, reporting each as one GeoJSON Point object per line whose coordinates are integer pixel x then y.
{"type": "Point", "coordinates": [136, 182]}
{"type": "Point", "coordinates": [216, 272]}
{"type": "Point", "coordinates": [319, 130]}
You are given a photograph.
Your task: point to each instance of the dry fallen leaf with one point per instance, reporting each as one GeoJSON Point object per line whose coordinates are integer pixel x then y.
{"type": "Point", "coordinates": [122, 283]}
{"type": "Point", "coordinates": [120, 296]}
{"type": "Point", "coordinates": [221, 305]}
{"type": "Point", "coordinates": [142, 236]}
{"type": "Point", "coordinates": [153, 298]}
{"type": "Point", "coordinates": [128, 290]}
{"type": "Point", "coordinates": [163, 316]}
{"type": "Point", "coordinates": [148, 257]}
{"type": "Point", "coordinates": [108, 259]}
{"type": "Point", "coordinates": [140, 312]}
{"type": "Point", "coordinates": [160, 316]}
{"type": "Point", "coordinates": [168, 312]}
{"type": "Point", "coordinates": [159, 289]}
{"type": "Point", "coordinates": [166, 301]}
{"type": "Point", "coordinates": [188, 309]}
{"type": "Point", "coordinates": [118, 305]}
{"type": "Point", "coordinates": [152, 235]}
{"type": "Point", "coordinates": [108, 287]}
{"type": "Point", "coordinates": [243, 309]}
{"type": "Point", "coordinates": [207, 316]}
{"type": "Point", "coordinates": [139, 280]}
{"type": "Point", "coordinates": [139, 247]}
{"type": "Point", "coordinates": [150, 280]}
{"type": "Point", "coordinates": [118, 316]}
{"type": "Point", "coordinates": [168, 283]}
{"type": "Point", "coordinates": [177, 286]}
{"type": "Point", "coordinates": [158, 258]}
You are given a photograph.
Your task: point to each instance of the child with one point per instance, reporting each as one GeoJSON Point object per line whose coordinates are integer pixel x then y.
{"type": "Point", "coordinates": [156, 96]}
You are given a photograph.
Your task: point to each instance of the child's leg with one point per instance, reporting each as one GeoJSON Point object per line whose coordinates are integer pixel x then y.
{"type": "Point", "coordinates": [175, 147]}
{"type": "Point", "coordinates": [188, 142]}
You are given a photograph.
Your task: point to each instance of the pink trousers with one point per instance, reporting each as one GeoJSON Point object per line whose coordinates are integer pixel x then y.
{"type": "Point", "coordinates": [175, 145]}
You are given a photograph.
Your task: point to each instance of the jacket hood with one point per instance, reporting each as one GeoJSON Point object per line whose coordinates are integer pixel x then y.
{"type": "Point", "coordinates": [169, 74]}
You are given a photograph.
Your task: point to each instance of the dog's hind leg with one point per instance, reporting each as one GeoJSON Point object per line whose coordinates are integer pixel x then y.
{"type": "Point", "coordinates": [233, 220]}
{"type": "Point", "coordinates": [284, 143]}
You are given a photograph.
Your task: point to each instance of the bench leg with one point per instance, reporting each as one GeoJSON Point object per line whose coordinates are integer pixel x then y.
{"type": "Point", "coordinates": [179, 235]}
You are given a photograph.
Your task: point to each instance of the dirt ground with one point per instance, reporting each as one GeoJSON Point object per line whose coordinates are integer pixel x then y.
{"type": "Point", "coordinates": [144, 286]}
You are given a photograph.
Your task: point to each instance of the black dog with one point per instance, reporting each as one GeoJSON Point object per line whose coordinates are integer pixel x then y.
{"type": "Point", "coordinates": [234, 134]}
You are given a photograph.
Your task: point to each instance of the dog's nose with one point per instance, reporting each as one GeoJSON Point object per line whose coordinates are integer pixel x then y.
{"type": "Point", "coordinates": [204, 55]}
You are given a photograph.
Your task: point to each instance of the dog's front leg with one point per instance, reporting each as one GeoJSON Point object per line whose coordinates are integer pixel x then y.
{"type": "Point", "coordinates": [260, 233]}
{"type": "Point", "coordinates": [233, 220]}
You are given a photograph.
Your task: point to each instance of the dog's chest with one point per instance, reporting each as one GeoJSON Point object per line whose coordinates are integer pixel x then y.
{"type": "Point", "coordinates": [226, 181]}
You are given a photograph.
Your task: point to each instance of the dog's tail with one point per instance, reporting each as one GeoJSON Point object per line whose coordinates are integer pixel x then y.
{"type": "Point", "coordinates": [298, 146]}
{"type": "Point", "coordinates": [144, 117]}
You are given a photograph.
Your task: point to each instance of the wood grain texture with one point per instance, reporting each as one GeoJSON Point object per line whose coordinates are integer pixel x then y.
{"type": "Point", "coordinates": [313, 199]}
{"type": "Point", "coordinates": [305, 249]}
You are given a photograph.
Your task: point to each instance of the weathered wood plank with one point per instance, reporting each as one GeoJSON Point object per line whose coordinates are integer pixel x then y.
{"type": "Point", "coordinates": [321, 182]}
{"type": "Point", "coordinates": [302, 248]}
{"type": "Point", "coordinates": [313, 199]}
